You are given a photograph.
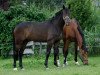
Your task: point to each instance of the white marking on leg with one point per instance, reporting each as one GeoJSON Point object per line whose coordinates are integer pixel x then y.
{"type": "Point", "coordinates": [77, 63]}
{"type": "Point", "coordinates": [47, 68]}
{"type": "Point", "coordinates": [66, 63]}
{"type": "Point", "coordinates": [78, 48]}
{"type": "Point", "coordinates": [63, 65]}
{"type": "Point", "coordinates": [15, 69]}
{"type": "Point", "coordinates": [22, 69]}
{"type": "Point", "coordinates": [58, 63]}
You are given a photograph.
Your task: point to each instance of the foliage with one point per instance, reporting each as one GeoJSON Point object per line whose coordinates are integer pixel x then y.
{"type": "Point", "coordinates": [93, 40]}
{"type": "Point", "coordinates": [82, 11]}
{"type": "Point", "coordinates": [88, 16]}
{"type": "Point", "coordinates": [9, 19]}
{"type": "Point", "coordinates": [40, 10]}
{"type": "Point", "coordinates": [93, 34]}
{"type": "Point", "coordinates": [51, 4]}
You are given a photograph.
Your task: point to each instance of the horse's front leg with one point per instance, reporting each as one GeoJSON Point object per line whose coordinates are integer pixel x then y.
{"type": "Point", "coordinates": [56, 54]}
{"type": "Point", "coordinates": [49, 46]}
{"type": "Point", "coordinates": [76, 52]}
{"type": "Point", "coordinates": [65, 52]}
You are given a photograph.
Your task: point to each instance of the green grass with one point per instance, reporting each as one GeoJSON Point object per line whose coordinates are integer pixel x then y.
{"type": "Point", "coordinates": [35, 66]}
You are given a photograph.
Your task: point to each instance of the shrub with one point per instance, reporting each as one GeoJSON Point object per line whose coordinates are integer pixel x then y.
{"type": "Point", "coordinates": [9, 19]}
{"type": "Point", "coordinates": [82, 11]}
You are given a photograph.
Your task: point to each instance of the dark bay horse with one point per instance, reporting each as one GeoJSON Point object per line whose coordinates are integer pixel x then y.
{"type": "Point", "coordinates": [47, 31]}
{"type": "Point", "coordinates": [72, 33]}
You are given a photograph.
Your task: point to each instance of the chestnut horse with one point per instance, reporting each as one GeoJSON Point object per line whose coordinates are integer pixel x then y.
{"type": "Point", "coordinates": [72, 33]}
{"type": "Point", "coordinates": [48, 31]}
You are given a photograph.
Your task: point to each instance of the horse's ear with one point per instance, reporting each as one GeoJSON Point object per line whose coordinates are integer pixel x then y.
{"type": "Point", "coordinates": [69, 6]}
{"type": "Point", "coordinates": [63, 7]}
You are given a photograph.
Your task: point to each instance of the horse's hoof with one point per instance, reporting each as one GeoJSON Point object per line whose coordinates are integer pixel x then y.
{"type": "Point", "coordinates": [63, 65]}
{"type": "Point", "coordinates": [58, 67]}
{"type": "Point", "coordinates": [47, 68]}
{"type": "Point", "coordinates": [58, 63]}
{"type": "Point", "coordinates": [66, 63]}
{"type": "Point", "coordinates": [15, 69]}
{"type": "Point", "coordinates": [22, 69]}
{"type": "Point", "coordinates": [77, 63]}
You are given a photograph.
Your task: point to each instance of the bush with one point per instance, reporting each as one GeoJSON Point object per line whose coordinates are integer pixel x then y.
{"type": "Point", "coordinates": [9, 19]}
{"type": "Point", "coordinates": [93, 40]}
{"type": "Point", "coordinates": [86, 14]}
{"type": "Point", "coordinates": [82, 11]}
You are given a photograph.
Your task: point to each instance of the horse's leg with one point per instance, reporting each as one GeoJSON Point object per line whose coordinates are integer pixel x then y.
{"type": "Point", "coordinates": [16, 54]}
{"type": "Point", "coordinates": [49, 46]}
{"type": "Point", "coordinates": [56, 54]}
{"type": "Point", "coordinates": [21, 54]}
{"type": "Point", "coordinates": [65, 52]}
{"type": "Point", "coordinates": [76, 51]}
{"type": "Point", "coordinates": [15, 57]}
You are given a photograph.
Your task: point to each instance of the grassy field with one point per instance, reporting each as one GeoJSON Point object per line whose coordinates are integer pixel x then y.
{"type": "Point", "coordinates": [35, 66]}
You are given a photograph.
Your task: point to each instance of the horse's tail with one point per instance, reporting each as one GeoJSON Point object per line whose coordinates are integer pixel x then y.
{"type": "Point", "coordinates": [15, 52]}
{"type": "Point", "coordinates": [82, 34]}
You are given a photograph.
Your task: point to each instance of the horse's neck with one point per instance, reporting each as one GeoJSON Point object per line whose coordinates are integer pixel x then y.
{"type": "Point", "coordinates": [59, 24]}
{"type": "Point", "coordinates": [78, 37]}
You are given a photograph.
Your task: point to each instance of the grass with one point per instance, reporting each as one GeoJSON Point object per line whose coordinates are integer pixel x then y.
{"type": "Point", "coordinates": [35, 66]}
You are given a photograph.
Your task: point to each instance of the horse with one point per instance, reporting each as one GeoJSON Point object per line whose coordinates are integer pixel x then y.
{"type": "Point", "coordinates": [47, 31]}
{"type": "Point", "coordinates": [72, 32]}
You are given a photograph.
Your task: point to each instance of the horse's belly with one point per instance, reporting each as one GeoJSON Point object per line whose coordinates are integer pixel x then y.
{"type": "Point", "coordinates": [38, 37]}
{"type": "Point", "coordinates": [72, 39]}
{"type": "Point", "coordinates": [39, 40]}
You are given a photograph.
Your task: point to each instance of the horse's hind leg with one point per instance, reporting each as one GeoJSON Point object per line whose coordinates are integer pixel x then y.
{"type": "Point", "coordinates": [21, 54]}
{"type": "Point", "coordinates": [76, 51]}
{"type": "Point", "coordinates": [20, 58]}
{"type": "Point", "coordinates": [15, 55]}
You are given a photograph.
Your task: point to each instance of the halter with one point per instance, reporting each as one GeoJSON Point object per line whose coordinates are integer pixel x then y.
{"type": "Point", "coordinates": [67, 20]}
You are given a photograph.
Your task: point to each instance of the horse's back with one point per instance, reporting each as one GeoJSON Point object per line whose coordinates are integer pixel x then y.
{"type": "Point", "coordinates": [22, 30]}
{"type": "Point", "coordinates": [23, 25]}
{"type": "Point", "coordinates": [35, 31]}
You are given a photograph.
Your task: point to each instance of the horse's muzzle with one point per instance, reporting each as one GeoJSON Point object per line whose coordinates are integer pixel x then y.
{"type": "Point", "coordinates": [85, 62]}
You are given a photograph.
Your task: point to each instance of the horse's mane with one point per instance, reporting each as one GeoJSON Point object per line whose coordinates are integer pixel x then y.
{"type": "Point", "coordinates": [56, 15]}
{"type": "Point", "coordinates": [82, 34]}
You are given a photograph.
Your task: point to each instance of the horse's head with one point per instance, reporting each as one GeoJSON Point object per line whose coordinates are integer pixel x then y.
{"type": "Point", "coordinates": [61, 17]}
{"type": "Point", "coordinates": [84, 56]}
{"type": "Point", "coordinates": [66, 14]}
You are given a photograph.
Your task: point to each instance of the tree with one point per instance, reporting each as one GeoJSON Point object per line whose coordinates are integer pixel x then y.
{"type": "Point", "coordinates": [82, 11]}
